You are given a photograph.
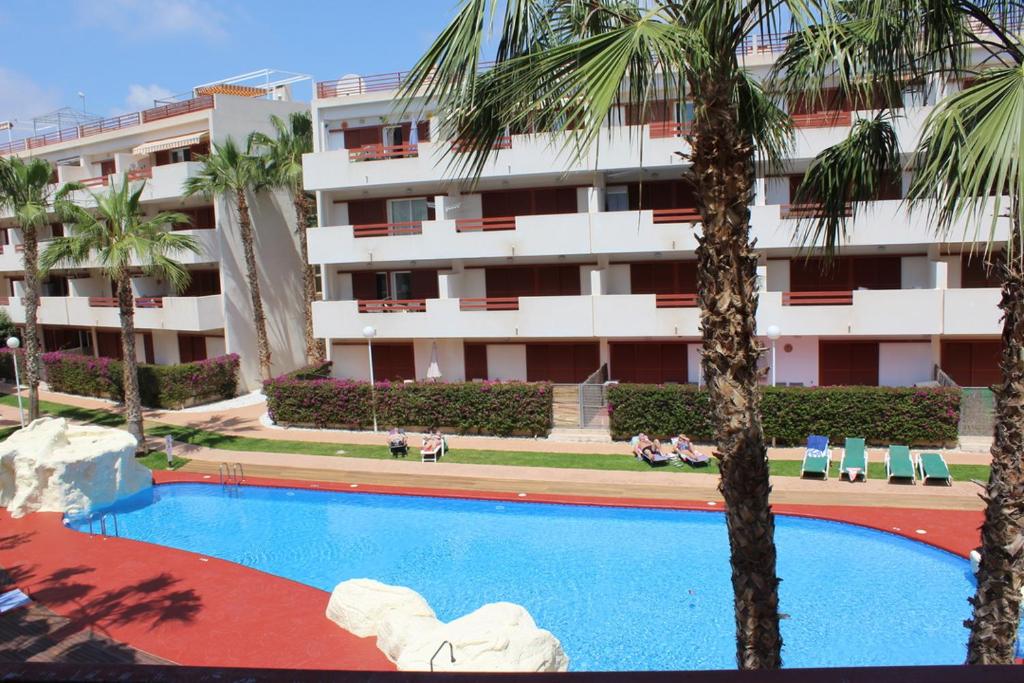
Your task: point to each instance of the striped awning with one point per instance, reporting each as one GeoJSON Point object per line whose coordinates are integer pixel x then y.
{"type": "Point", "coordinates": [171, 143]}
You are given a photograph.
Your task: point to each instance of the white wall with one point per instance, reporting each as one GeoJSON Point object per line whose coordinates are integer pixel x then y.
{"type": "Point", "coordinates": [776, 190]}
{"type": "Point", "coordinates": [337, 213]}
{"type": "Point", "coordinates": [904, 364]}
{"type": "Point", "coordinates": [506, 361]}
{"type": "Point", "coordinates": [150, 286]}
{"type": "Point", "coordinates": [778, 275]}
{"type": "Point", "coordinates": [165, 347]}
{"type": "Point", "coordinates": [798, 365]}
{"type": "Point", "coordinates": [916, 272]}
{"type": "Point", "coordinates": [350, 361]}
{"type": "Point", "coordinates": [450, 359]}
{"type": "Point", "coordinates": [85, 286]}
{"type": "Point", "coordinates": [473, 283]}
{"type": "Point", "coordinates": [215, 346]}
{"type": "Point", "coordinates": [617, 279]}
{"type": "Point", "coordinates": [693, 369]}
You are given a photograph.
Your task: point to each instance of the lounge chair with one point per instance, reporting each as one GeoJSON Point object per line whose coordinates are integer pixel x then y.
{"type": "Point", "coordinates": [398, 443]}
{"type": "Point", "coordinates": [13, 599]}
{"type": "Point", "coordinates": [653, 459]}
{"type": "Point", "coordinates": [933, 466]}
{"type": "Point", "coordinates": [855, 458]}
{"type": "Point", "coordinates": [817, 456]}
{"type": "Point", "coordinates": [436, 453]}
{"type": "Point", "coordinates": [694, 459]}
{"type": "Point", "coordinates": [898, 464]}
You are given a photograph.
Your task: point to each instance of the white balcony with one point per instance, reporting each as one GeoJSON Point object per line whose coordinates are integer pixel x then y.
{"type": "Point", "coordinates": [11, 256]}
{"type": "Point", "coordinates": [167, 181]}
{"type": "Point", "coordinates": [899, 312]}
{"type": "Point", "coordinates": [528, 155]}
{"type": "Point", "coordinates": [971, 311]}
{"type": "Point", "coordinates": [623, 316]}
{"type": "Point", "coordinates": [187, 314]}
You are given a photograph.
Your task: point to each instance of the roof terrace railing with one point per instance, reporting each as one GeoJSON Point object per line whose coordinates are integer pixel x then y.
{"type": "Point", "coordinates": [106, 125]}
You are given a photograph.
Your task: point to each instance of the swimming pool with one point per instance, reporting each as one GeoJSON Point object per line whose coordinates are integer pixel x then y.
{"type": "Point", "coordinates": [622, 588]}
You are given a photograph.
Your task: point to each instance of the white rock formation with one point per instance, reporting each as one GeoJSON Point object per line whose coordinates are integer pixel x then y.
{"type": "Point", "coordinates": [50, 466]}
{"type": "Point", "coordinates": [497, 637]}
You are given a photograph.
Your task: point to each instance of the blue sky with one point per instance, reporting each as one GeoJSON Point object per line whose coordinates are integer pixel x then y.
{"type": "Point", "coordinates": [123, 53]}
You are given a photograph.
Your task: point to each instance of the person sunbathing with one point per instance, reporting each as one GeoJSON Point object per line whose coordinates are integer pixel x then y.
{"type": "Point", "coordinates": [432, 441]}
{"type": "Point", "coordinates": [686, 452]}
{"type": "Point", "coordinates": [645, 446]}
{"type": "Point", "coordinates": [396, 438]}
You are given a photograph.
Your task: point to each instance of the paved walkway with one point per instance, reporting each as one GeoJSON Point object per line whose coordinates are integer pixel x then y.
{"type": "Point", "coordinates": [246, 422]}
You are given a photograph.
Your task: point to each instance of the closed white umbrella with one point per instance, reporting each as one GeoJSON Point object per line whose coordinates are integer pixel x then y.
{"type": "Point", "coordinates": [414, 134]}
{"type": "Point", "coordinates": [433, 370]}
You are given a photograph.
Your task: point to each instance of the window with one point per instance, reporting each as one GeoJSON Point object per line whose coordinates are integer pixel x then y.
{"type": "Point", "coordinates": [107, 167]}
{"type": "Point", "coordinates": [684, 112]}
{"type": "Point", "coordinates": [335, 136]}
{"type": "Point", "coordinates": [407, 210]}
{"type": "Point", "coordinates": [616, 198]}
{"type": "Point", "coordinates": [180, 155]}
{"type": "Point", "coordinates": [392, 135]}
{"type": "Point", "coordinates": [394, 285]}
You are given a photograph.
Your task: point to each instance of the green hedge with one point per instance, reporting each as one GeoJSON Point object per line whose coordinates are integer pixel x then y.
{"type": "Point", "coordinates": [321, 370]}
{"type": "Point", "coordinates": [882, 415]}
{"type": "Point", "coordinates": [160, 386]}
{"type": "Point", "coordinates": [500, 408]}
{"type": "Point", "coordinates": [7, 363]}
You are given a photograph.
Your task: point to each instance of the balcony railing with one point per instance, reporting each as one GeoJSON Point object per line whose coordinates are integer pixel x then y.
{"type": "Point", "coordinates": [106, 125]}
{"type": "Point", "coordinates": [817, 298]}
{"type": "Point", "coordinates": [140, 173]}
{"type": "Point", "coordinates": [676, 216]}
{"type": "Point", "coordinates": [504, 142]}
{"type": "Point", "coordinates": [485, 224]}
{"type": "Point", "coordinates": [388, 229]}
{"type": "Point", "coordinates": [807, 210]}
{"type": "Point", "coordinates": [489, 303]}
{"type": "Point", "coordinates": [669, 129]}
{"type": "Point", "coordinates": [392, 305]}
{"type": "Point", "coordinates": [675, 300]}
{"type": "Point", "coordinates": [823, 119]}
{"type": "Point", "coordinates": [5, 301]}
{"type": "Point", "coordinates": [378, 151]}
{"type": "Point", "coordinates": [98, 181]}
{"type": "Point", "coordinates": [140, 302]}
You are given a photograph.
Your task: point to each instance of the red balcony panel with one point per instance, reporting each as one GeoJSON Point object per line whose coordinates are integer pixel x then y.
{"type": "Point", "coordinates": [817, 298]}
{"type": "Point", "coordinates": [485, 224]}
{"type": "Point", "coordinates": [669, 129]}
{"type": "Point", "coordinates": [808, 210]}
{"type": "Point", "coordinates": [392, 305]}
{"type": "Point", "coordinates": [676, 216]}
{"type": "Point", "coordinates": [140, 173]}
{"type": "Point", "coordinates": [378, 152]}
{"type": "Point", "coordinates": [490, 303]}
{"type": "Point", "coordinates": [388, 229]}
{"type": "Point", "coordinates": [675, 300]}
{"type": "Point", "coordinates": [823, 119]}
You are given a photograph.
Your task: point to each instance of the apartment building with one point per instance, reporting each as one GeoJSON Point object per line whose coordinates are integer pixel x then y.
{"type": "Point", "coordinates": [160, 146]}
{"type": "Point", "coordinates": [549, 269]}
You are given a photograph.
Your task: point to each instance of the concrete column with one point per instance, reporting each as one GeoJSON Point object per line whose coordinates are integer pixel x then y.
{"type": "Point", "coordinates": [940, 274]}
{"type": "Point", "coordinates": [598, 282]}
{"type": "Point", "coordinates": [595, 194]}
{"type": "Point", "coordinates": [762, 273]}
{"type": "Point", "coordinates": [326, 292]}
{"type": "Point", "coordinates": [448, 284]}
{"type": "Point", "coordinates": [604, 352]}
{"type": "Point", "coordinates": [759, 191]}
{"type": "Point", "coordinates": [322, 206]}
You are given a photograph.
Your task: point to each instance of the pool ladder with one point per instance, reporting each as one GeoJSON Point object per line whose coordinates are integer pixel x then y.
{"type": "Point", "coordinates": [230, 473]}
{"type": "Point", "coordinates": [93, 518]}
{"type": "Point", "coordinates": [451, 653]}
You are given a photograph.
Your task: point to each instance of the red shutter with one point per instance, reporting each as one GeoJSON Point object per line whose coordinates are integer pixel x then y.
{"type": "Point", "coordinates": [423, 130]}
{"type": "Point", "coordinates": [476, 361]}
{"type": "Point", "coordinates": [367, 211]}
{"type": "Point", "coordinates": [147, 344]}
{"type": "Point", "coordinates": [393, 362]}
{"type": "Point", "coordinates": [365, 135]}
{"type": "Point", "coordinates": [424, 284]}
{"type": "Point", "coordinates": [108, 345]}
{"type": "Point", "coordinates": [622, 362]}
{"type": "Point", "coordinates": [846, 363]}
{"type": "Point", "coordinates": [569, 284]}
{"type": "Point", "coordinates": [108, 167]}
{"type": "Point", "coordinates": [972, 363]}
{"type": "Point", "coordinates": [364, 285]}
{"type": "Point", "coordinates": [641, 278]}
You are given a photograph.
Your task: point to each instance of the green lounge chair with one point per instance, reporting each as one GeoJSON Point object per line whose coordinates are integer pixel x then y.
{"type": "Point", "coordinates": [855, 456]}
{"type": "Point", "coordinates": [898, 464]}
{"type": "Point", "coordinates": [933, 466]}
{"type": "Point", "coordinates": [817, 456]}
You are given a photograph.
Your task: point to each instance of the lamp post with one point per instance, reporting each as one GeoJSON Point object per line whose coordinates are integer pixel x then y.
{"type": "Point", "coordinates": [773, 333]}
{"type": "Point", "coordinates": [370, 332]}
{"type": "Point", "coordinates": [13, 343]}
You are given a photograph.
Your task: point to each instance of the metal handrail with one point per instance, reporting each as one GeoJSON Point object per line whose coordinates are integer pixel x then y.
{"type": "Point", "coordinates": [103, 524]}
{"type": "Point", "coordinates": [451, 652]}
{"type": "Point", "coordinates": [943, 379]}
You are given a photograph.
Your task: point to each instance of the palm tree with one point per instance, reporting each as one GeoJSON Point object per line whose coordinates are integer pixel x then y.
{"type": "Point", "coordinates": [231, 173]}
{"type": "Point", "coordinates": [27, 190]}
{"type": "Point", "coordinates": [294, 138]}
{"type": "Point", "coordinates": [561, 66]}
{"type": "Point", "coordinates": [118, 235]}
{"type": "Point", "coordinates": [967, 178]}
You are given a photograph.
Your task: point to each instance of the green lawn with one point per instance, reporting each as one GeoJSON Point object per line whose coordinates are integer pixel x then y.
{"type": "Point", "coordinates": [200, 437]}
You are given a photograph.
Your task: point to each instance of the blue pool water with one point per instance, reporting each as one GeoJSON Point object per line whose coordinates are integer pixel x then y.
{"type": "Point", "coordinates": [623, 589]}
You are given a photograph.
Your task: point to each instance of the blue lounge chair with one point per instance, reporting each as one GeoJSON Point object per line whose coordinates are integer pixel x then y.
{"type": "Point", "coordinates": [817, 456]}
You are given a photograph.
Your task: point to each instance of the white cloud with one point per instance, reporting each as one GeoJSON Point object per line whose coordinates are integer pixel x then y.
{"type": "Point", "coordinates": [142, 96]}
{"type": "Point", "coordinates": [141, 19]}
{"type": "Point", "coordinates": [22, 98]}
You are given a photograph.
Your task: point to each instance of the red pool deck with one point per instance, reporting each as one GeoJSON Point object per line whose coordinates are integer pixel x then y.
{"type": "Point", "coordinates": [202, 611]}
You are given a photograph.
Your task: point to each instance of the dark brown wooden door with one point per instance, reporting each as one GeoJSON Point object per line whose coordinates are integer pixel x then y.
{"type": "Point", "coordinates": [845, 274]}
{"type": "Point", "coordinates": [661, 194]}
{"type": "Point", "coordinates": [147, 346]}
{"type": "Point", "coordinates": [367, 211]}
{"type": "Point", "coordinates": [528, 202]}
{"type": "Point", "coordinates": [533, 281]}
{"type": "Point", "coordinates": [358, 137]}
{"type": "Point", "coordinates": [108, 345]}
{"type": "Point", "coordinates": [393, 362]}
{"type": "Point", "coordinates": [476, 361]}
{"type": "Point", "coordinates": [648, 362]}
{"type": "Point", "coordinates": [847, 363]}
{"type": "Point", "coordinates": [191, 347]}
{"type": "Point", "coordinates": [972, 363]}
{"type": "Point", "coordinates": [203, 283]}
{"type": "Point", "coordinates": [569, 363]}
{"type": "Point", "coordinates": [673, 277]}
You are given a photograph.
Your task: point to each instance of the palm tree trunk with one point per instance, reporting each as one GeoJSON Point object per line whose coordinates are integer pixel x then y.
{"type": "Point", "coordinates": [997, 603]}
{"type": "Point", "coordinates": [723, 167]}
{"type": "Point", "coordinates": [314, 347]}
{"type": "Point", "coordinates": [132, 399]}
{"type": "Point", "coordinates": [252, 277]}
{"type": "Point", "coordinates": [31, 265]}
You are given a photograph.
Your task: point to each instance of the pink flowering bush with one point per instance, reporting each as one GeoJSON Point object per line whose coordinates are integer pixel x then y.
{"type": "Point", "coordinates": [500, 408]}
{"type": "Point", "coordinates": [160, 386]}
{"type": "Point", "coordinates": [882, 415]}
